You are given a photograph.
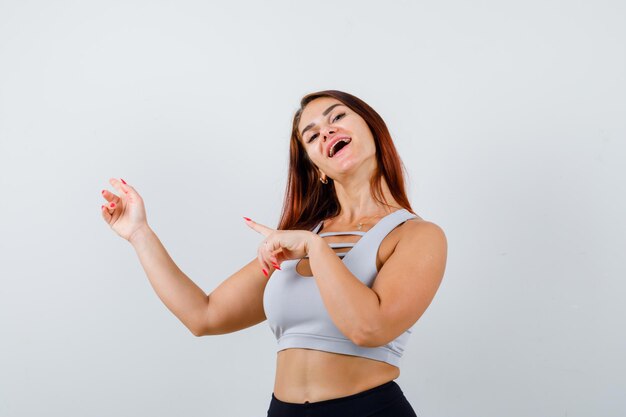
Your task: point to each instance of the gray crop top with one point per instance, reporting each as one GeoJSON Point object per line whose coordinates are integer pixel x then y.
{"type": "Point", "coordinates": [295, 310]}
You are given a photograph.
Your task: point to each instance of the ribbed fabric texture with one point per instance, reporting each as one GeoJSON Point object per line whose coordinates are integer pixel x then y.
{"type": "Point", "coordinates": [295, 310]}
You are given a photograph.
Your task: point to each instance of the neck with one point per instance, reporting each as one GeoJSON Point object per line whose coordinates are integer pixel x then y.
{"type": "Point", "coordinates": [357, 204]}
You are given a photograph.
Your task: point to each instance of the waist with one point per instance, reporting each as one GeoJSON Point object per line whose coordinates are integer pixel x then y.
{"type": "Point", "coordinates": [312, 375]}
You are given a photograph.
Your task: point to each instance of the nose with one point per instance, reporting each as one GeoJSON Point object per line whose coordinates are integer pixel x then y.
{"type": "Point", "coordinates": [328, 133]}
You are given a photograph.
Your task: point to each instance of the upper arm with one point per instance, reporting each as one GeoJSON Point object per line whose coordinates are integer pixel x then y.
{"type": "Point", "coordinates": [237, 303]}
{"type": "Point", "coordinates": [408, 280]}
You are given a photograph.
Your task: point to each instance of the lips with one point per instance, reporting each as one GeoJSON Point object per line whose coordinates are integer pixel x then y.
{"type": "Point", "coordinates": [333, 141]}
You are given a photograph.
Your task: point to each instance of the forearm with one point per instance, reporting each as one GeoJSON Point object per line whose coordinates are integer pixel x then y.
{"type": "Point", "coordinates": [180, 294]}
{"type": "Point", "coordinates": [352, 305]}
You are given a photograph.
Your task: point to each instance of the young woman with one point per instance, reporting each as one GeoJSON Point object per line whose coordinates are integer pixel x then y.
{"type": "Point", "coordinates": [342, 280]}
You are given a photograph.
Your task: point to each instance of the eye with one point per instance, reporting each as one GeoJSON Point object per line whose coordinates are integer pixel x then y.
{"type": "Point", "coordinates": [339, 116]}
{"type": "Point", "coordinates": [312, 137]}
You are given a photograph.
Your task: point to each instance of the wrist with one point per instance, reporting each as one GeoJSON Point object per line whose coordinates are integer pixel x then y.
{"type": "Point", "coordinates": [140, 235]}
{"type": "Point", "coordinates": [312, 242]}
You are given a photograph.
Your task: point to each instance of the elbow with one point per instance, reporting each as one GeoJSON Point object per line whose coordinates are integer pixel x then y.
{"type": "Point", "coordinates": [199, 325]}
{"type": "Point", "coordinates": [197, 330]}
{"type": "Point", "coordinates": [365, 337]}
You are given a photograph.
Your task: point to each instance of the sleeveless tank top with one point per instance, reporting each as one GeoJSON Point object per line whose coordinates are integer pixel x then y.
{"type": "Point", "coordinates": [295, 310]}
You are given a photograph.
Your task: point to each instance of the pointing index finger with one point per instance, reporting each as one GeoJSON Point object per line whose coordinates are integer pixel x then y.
{"type": "Point", "coordinates": [264, 230]}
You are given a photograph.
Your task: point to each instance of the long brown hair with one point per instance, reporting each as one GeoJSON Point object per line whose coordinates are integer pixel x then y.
{"type": "Point", "coordinates": [308, 201]}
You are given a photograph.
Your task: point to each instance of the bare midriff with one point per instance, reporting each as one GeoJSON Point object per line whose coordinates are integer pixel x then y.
{"type": "Point", "coordinates": [307, 375]}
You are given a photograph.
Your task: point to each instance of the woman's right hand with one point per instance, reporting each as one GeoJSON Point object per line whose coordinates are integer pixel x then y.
{"type": "Point", "coordinates": [125, 213]}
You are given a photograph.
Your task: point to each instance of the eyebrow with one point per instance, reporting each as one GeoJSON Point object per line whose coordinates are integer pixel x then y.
{"type": "Point", "coordinates": [310, 125]}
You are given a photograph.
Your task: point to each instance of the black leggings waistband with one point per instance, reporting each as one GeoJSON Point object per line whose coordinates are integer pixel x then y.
{"type": "Point", "coordinates": [381, 401]}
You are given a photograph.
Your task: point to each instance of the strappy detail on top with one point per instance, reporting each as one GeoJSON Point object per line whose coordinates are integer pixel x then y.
{"type": "Point", "coordinates": [342, 245]}
{"type": "Point", "coordinates": [337, 245]}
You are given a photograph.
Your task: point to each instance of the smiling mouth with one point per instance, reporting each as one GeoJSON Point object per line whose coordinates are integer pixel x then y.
{"type": "Point", "coordinates": [338, 146]}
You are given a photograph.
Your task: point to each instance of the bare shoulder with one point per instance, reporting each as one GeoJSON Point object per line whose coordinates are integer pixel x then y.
{"type": "Point", "coordinates": [419, 225]}
{"type": "Point", "coordinates": [418, 233]}
{"type": "Point", "coordinates": [419, 245]}
{"type": "Point", "coordinates": [420, 229]}
{"type": "Point", "coordinates": [413, 235]}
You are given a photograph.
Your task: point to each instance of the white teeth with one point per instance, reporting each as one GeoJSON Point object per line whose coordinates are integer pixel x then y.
{"type": "Point", "coordinates": [331, 153]}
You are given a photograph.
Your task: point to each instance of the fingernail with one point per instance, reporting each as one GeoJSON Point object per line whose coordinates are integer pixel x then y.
{"type": "Point", "coordinates": [123, 182]}
{"type": "Point", "coordinates": [247, 218]}
{"type": "Point", "coordinates": [102, 191]}
{"type": "Point", "coordinates": [102, 206]}
{"type": "Point", "coordinates": [265, 273]}
{"type": "Point", "coordinates": [112, 205]}
{"type": "Point", "coordinates": [277, 267]}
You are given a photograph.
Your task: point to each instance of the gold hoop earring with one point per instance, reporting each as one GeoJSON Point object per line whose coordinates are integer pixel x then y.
{"type": "Point", "coordinates": [324, 180]}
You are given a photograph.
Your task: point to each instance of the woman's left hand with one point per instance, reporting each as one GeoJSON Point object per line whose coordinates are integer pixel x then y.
{"type": "Point", "coordinates": [280, 245]}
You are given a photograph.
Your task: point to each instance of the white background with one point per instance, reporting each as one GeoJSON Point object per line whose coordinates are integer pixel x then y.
{"type": "Point", "coordinates": [510, 119]}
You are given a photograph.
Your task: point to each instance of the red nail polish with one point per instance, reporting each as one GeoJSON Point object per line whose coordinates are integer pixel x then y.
{"type": "Point", "coordinates": [247, 218]}
{"type": "Point", "coordinates": [277, 267]}
{"type": "Point", "coordinates": [123, 182]}
{"type": "Point", "coordinates": [112, 205]}
{"type": "Point", "coordinates": [102, 191]}
{"type": "Point", "coordinates": [265, 272]}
